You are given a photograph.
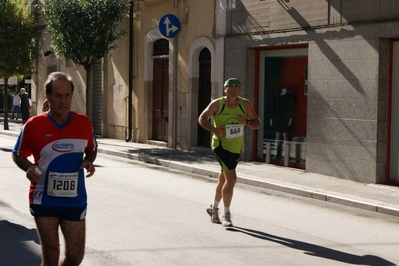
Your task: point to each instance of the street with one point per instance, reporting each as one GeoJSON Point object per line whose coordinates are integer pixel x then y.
{"type": "Point", "coordinates": [142, 214]}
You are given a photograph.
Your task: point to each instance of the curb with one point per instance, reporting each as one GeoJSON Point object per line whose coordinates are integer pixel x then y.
{"type": "Point", "coordinates": [263, 184]}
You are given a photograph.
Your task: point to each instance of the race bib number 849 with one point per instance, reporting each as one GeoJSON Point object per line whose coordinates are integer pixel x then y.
{"type": "Point", "coordinates": [62, 184]}
{"type": "Point", "coordinates": [234, 131]}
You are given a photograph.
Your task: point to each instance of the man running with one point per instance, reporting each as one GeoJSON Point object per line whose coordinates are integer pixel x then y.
{"type": "Point", "coordinates": [62, 143]}
{"type": "Point", "coordinates": [230, 114]}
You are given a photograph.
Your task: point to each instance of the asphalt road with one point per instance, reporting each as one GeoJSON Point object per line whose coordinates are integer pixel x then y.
{"type": "Point", "coordinates": [141, 214]}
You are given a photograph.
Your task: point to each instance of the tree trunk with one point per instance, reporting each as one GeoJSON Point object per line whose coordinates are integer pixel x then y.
{"type": "Point", "coordinates": [6, 104]}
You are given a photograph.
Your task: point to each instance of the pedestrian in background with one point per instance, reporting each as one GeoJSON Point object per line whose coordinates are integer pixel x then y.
{"type": "Point", "coordinates": [62, 143]}
{"type": "Point", "coordinates": [25, 105]}
{"type": "Point", "coordinates": [230, 114]}
{"type": "Point", "coordinates": [15, 105]}
{"type": "Point", "coordinates": [46, 106]}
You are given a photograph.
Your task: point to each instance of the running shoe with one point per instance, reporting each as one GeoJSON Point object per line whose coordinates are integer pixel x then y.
{"type": "Point", "coordinates": [214, 213]}
{"type": "Point", "coordinates": [226, 220]}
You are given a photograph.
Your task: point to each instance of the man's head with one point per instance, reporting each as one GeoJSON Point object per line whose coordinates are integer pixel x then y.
{"type": "Point", "coordinates": [232, 87]}
{"type": "Point", "coordinates": [231, 81]}
{"type": "Point", "coordinates": [56, 76]}
{"type": "Point", "coordinates": [59, 90]}
{"type": "Point", "coordinates": [22, 91]}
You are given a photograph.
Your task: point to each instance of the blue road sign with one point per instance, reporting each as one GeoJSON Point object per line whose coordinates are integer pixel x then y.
{"type": "Point", "coordinates": [169, 25]}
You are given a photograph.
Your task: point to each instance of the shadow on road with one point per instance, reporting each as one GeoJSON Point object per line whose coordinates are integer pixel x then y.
{"type": "Point", "coordinates": [15, 246]}
{"type": "Point", "coordinates": [316, 250]}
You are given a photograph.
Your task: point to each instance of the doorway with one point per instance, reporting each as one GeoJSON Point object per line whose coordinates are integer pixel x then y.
{"type": "Point", "coordinates": [204, 94]}
{"type": "Point", "coordinates": [160, 97]}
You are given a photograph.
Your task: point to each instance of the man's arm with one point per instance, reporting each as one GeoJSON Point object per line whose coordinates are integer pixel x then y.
{"type": "Point", "coordinates": [88, 162]}
{"type": "Point", "coordinates": [27, 166]}
{"type": "Point", "coordinates": [253, 120]}
{"type": "Point", "coordinates": [22, 162]}
{"type": "Point", "coordinates": [204, 119]}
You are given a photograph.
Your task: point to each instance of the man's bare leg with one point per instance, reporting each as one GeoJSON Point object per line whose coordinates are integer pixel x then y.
{"type": "Point", "coordinates": [227, 192]}
{"type": "Point", "coordinates": [219, 187]}
{"type": "Point", "coordinates": [75, 236]}
{"type": "Point", "coordinates": [228, 187]}
{"type": "Point", "coordinates": [47, 228]}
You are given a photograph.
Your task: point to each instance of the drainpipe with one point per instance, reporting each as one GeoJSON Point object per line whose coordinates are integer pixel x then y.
{"type": "Point", "coordinates": [175, 76]}
{"type": "Point", "coordinates": [130, 97]}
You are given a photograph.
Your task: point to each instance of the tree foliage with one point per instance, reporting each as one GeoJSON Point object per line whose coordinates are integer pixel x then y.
{"type": "Point", "coordinates": [84, 30]}
{"type": "Point", "coordinates": [18, 49]}
{"type": "Point", "coordinates": [18, 35]}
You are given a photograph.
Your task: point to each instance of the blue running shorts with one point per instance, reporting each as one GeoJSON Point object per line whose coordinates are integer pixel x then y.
{"type": "Point", "coordinates": [66, 213]}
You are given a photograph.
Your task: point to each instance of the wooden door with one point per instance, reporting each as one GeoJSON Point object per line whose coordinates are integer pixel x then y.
{"type": "Point", "coordinates": [160, 100]}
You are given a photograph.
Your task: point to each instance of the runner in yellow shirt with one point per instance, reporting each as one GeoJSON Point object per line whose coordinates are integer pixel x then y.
{"type": "Point", "coordinates": [230, 114]}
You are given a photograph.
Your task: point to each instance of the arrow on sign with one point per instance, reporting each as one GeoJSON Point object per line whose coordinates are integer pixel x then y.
{"type": "Point", "coordinates": [169, 26]}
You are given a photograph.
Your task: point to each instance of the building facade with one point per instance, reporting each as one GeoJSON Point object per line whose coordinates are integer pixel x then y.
{"type": "Point", "coordinates": [325, 70]}
{"type": "Point", "coordinates": [320, 74]}
{"type": "Point", "coordinates": [152, 88]}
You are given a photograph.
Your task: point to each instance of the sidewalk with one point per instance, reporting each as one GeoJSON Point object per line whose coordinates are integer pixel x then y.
{"type": "Point", "coordinates": [378, 198]}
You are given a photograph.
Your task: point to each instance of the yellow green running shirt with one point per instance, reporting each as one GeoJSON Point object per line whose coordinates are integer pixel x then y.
{"type": "Point", "coordinates": [228, 117]}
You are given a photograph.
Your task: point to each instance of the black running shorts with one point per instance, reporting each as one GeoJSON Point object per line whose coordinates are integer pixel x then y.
{"type": "Point", "coordinates": [227, 160]}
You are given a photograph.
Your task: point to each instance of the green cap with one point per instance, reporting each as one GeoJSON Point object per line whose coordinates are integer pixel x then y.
{"type": "Point", "coordinates": [232, 81]}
